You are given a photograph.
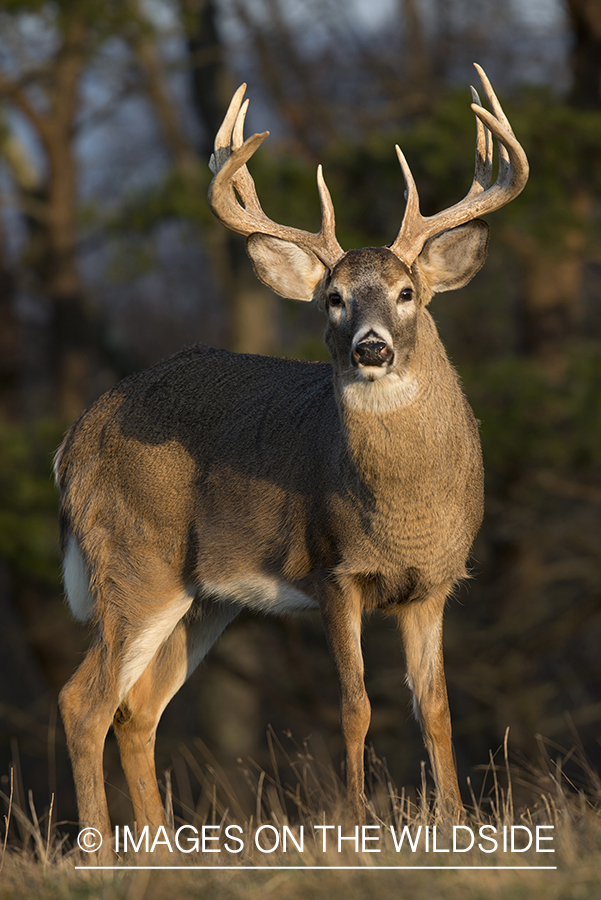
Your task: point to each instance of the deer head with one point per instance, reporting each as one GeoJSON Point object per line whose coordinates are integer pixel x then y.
{"type": "Point", "coordinates": [372, 297]}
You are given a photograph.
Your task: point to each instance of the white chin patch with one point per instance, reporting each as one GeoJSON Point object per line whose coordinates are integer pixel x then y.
{"type": "Point", "coordinates": [382, 393]}
{"type": "Point", "coordinates": [372, 373]}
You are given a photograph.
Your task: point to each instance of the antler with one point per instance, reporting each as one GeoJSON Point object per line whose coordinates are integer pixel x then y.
{"type": "Point", "coordinates": [233, 197]}
{"type": "Point", "coordinates": [481, 198]}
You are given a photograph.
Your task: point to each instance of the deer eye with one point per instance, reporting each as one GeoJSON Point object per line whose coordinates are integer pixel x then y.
{"type": "Point", "coordinates": [406, 295]}
{"type": "Point", "coordinates": [335, 300]}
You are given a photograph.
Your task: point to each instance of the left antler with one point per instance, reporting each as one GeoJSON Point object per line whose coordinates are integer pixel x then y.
{"type": "Point", "coordinates": [482, 198]}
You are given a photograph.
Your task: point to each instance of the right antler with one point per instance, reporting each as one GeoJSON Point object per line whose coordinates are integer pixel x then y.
{"type": "Point", "coordinates": [481, 198]}
{"type": "Point", "coordinates": [233, 197]}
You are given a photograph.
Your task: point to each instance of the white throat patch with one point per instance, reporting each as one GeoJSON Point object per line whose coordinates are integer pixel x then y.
{"type": "Point", "coordinates": [383, 395]}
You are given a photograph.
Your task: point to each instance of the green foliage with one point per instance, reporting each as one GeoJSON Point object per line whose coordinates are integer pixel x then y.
{"type": "Point", "coordinates": [28, 500]}
{"type": "Point", "coordinates": [132, 227]}
{"type": "Point", "coordinates": [173, 197]}
{"type": "Point", "coordinates": [533, 421]}
{"type": "Point", "coordinates": [562, 144]}
{"type": "Point", "coordinates": [23, 6]}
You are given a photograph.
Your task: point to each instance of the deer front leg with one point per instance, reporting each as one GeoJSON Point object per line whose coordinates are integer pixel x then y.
{"type": "Point", "coordinates": [420, 624]}
{"type": "Point", "coordinates": [341, 614]}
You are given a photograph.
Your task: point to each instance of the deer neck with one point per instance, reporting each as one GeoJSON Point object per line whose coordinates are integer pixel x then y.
{"type": "Point", "coordinates": [398, 430]}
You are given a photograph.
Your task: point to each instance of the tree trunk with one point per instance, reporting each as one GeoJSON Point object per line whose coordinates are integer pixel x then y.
{"type": "Point", "coordinates": [552, 307]}
{"type": "Point", "coordinates": [552, 288]}
{"type": "Point", "coordinates": [253, 311]}
{"type": "Point", "coordinates": [212, 85]}
{"type": "Point", "coordinates": [10, 407]}
{"type": "Point", "coordinates": [72, 337]}
{"type": "Point", "coordinates": [585, 18]}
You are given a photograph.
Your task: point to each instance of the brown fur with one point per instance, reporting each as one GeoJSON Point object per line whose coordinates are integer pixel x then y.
{"type": "Point", "coordinates": [215, 480]}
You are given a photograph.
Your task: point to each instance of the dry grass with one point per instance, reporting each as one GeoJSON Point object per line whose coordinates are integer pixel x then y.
{"type": "Point", "coordinates": [303, 789]}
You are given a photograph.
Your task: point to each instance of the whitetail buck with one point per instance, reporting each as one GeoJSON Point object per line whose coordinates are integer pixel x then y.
{"type": "Point", "coordinates": [215, 482]}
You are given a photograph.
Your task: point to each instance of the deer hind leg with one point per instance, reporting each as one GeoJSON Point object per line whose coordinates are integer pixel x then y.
{"type": "Point", "coordinates": [135, 723]}
{"type": "Point", "coordinates": [420, 624]}
{"type": "Point", "coordinates": [119, 654]}
{"type": "Point", "coordinates": [87, 703]}
{"type": "Point", "coordinates": [139, 713]}
{"type": "Point", "coordinates": [341, 613]}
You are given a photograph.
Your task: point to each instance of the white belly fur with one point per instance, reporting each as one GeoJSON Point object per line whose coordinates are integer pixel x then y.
{"type": "Point", "coordinates": [263, 594]}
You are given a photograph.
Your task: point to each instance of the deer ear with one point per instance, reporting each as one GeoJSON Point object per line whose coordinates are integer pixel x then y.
{"type": "Point", "coordinates": [289, 270]}
{"type": "Point", "coordinates": [450, 259]}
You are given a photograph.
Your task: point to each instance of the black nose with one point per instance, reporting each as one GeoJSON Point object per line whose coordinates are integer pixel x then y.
{"type": "Point", "coordinates": [372, 353]}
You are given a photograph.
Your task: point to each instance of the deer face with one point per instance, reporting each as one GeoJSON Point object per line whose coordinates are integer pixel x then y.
{"type": "Point", "coordinates": [373, 303]}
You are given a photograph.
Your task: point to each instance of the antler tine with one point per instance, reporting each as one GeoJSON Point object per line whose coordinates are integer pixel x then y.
{"type": "Point", "coordinates": [233, 196]}
{"type": "Point", "coordinates": [238, 129]}
{"type": "Point", "coordinates": [243, 180]}
{"type": "Point", "coordinates": [223, 138]}
{"type": "Point", "coordinates": [229, 144]}
{"type": "Point", "coordinates": [328, 220]}
{"type": "Point", "coordinates": [412, 219]}
{"type": "Point", "coordinates": [483, 168]}
{"type": "Point", "coordinates": [499, 114]}
{"type": "Point", "coordinates": [482, 198]}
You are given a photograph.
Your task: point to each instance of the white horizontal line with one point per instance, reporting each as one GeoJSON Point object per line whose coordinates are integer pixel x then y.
{"type": "Point", "coordinates": [325, 868]}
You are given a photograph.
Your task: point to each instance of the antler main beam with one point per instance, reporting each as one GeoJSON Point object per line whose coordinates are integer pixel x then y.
{"type": "Point", "coordinates": [482, 198]}
{"type": "Point", "coordinates": [233, 196]}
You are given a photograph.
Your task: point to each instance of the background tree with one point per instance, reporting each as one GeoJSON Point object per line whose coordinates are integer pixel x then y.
{"type": "Point", "coordinates": [41, 79]}
{"type": "Point", "coordinates": [585, 16]}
